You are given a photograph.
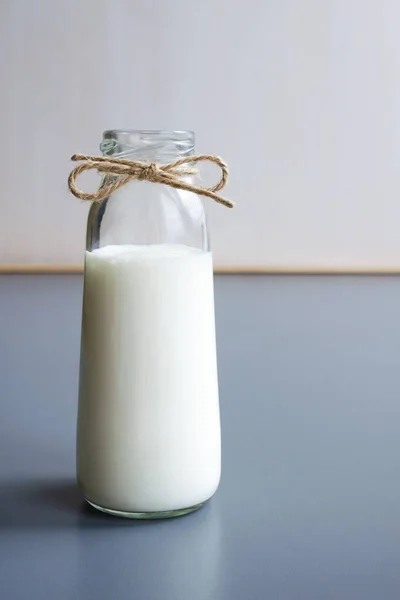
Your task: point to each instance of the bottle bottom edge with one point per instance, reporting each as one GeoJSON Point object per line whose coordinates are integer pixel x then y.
{"type": "Point", "coordinates": [166, 514]}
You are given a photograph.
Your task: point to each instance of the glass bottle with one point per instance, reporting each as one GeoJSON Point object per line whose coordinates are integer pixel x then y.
{"type": "Point", "coordinates": [148, 439]}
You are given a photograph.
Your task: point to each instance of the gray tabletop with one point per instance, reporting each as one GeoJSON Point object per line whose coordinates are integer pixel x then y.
{"type": "Point", "coordinates": [309, 502]}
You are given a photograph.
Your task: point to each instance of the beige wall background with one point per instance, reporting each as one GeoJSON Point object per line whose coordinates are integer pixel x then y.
{"type": "Point", "coordinates": [301, 97]}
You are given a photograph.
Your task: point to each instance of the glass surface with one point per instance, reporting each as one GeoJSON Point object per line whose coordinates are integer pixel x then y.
{"type": "Point", "coordinates": [142, 212]}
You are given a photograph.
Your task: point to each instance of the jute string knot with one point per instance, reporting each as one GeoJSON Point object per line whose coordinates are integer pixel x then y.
{"type": "Point", "coordinates": [119, 171]}
{"type": "Point", "coordinates": [148, 172]}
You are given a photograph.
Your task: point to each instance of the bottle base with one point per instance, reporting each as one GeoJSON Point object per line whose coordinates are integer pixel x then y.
{"type": "Point", "coordinates": [165, 514]}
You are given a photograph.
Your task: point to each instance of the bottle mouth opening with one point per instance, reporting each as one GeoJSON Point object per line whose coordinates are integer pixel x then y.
{"type": "Point", "coordinates": [160, 145]}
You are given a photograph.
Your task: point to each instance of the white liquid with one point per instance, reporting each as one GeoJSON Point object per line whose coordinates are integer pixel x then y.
{"type": "Point", "coordinates": [148, 425]}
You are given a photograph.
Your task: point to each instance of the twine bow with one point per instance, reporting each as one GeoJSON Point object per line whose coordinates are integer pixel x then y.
{"type": "Point", "coordinates": [122, 171]}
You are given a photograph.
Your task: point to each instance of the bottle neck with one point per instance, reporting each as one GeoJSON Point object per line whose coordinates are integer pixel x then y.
{"type": "Point", "coordinates": [148, 145]}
